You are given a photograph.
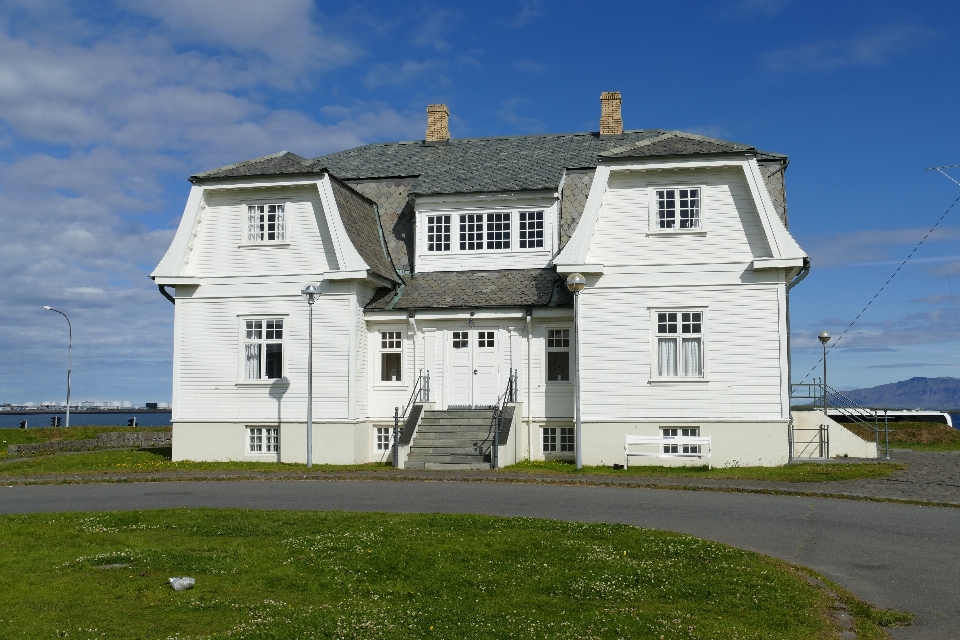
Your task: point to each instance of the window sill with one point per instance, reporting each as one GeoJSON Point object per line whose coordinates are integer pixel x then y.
{"type": "Point", "coordinates": [559, 383]}
{"type": "Point", "coordinates": [268, 382]}
{"type": "Point", "coordinates": [246, 245]}
{"type": "Point", "coordinates": [676, 379]}
{"type": "Point", "coordinates": [678, 232]}
{"type": "Point", "coordinates": [383, 384]}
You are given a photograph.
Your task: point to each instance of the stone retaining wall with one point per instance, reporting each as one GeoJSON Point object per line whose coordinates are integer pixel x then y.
{"type": "Point", "coordinates": [111, 440]}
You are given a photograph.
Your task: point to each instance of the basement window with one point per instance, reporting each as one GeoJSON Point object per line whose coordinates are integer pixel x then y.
{"type": "Point", "coordinates": [558, 439]}
{"type": "Point", "coordinates": [685, 432]}
{"type": "Point", "coordinates": [384, 438]}
{"type": "Point", "coordinates": [263, 440]}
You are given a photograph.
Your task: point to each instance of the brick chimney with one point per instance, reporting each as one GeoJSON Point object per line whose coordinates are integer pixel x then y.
{"type": "Point", "coordinates": [438, 123]}
{"type": "Point", "coordinates": [611, 124]}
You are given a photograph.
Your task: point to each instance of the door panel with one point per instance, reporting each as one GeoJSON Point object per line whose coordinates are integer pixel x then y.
{"type": "Point", "coordinates": [474, 367]}
{"type": "Point", "coordinates": [485, 361]}
{"type": "Point", "coordinates": [461, 370]}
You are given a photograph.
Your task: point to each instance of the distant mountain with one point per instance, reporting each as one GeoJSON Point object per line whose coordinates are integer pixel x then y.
{"type": "Point", "coordinates": [916, 393]}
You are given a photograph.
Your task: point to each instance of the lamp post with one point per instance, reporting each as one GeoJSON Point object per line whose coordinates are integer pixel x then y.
{"type": "Point", "coordinates": [310, 293]}
{"type": "Point", "coordinates": [824, 338]}
{"type": "Point", "coordinates": [69, 357]}
{"type": "Point", "coordinates": [575, 283]}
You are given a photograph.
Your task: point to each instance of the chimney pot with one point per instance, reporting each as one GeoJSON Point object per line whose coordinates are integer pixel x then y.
{"type": "Point", "coordinates": [438, 123]}
{"type": "Point", "coordinates": [611, 124]}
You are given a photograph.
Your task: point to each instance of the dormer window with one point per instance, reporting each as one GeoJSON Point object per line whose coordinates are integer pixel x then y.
{"type": "Point", "coordinates": [494, 230]}
{"type": "Point", "coordinates": [438, 233]}
{"type": "Point", "coordinates": [471, 232]}
{"type": "Point", "coordinates": [531, 229]}
{"type": "Point", "coordinates": [265, 223]}
{"type": "Point", "coordinates": [678, 208]}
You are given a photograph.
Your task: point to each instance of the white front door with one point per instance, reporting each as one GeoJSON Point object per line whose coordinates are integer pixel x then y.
{"type": "Point", "coordinates": [474, 368]}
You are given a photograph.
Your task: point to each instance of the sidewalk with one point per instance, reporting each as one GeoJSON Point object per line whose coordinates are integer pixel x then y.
{"type": "Point", "coordinates": [932, 477]}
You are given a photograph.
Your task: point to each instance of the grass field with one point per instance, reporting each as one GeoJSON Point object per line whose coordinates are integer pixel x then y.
{"type": "Point", "coordinates": [919, 436]}
{"type": "Point", "coordinates": [49, 434]}
{"type": "Point", "coordinates": [272, 574]}
{"type": "Point", "coordinates": [94, 463]}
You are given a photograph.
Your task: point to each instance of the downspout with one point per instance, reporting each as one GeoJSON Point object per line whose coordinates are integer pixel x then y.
{"type": "Point", "coordinates": [790, 285]}
{"type": "Point", "coordinates": [529, 381]}
{"type": "Point", "coordinates": [166, 295]}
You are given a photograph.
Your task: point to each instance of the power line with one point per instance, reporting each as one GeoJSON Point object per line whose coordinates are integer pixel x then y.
{"type": "Point", "coordinates": [885, 283]}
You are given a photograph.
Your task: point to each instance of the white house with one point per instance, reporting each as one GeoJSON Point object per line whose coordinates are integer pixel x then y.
{"type": "Point", "coordinates": [447, 258]}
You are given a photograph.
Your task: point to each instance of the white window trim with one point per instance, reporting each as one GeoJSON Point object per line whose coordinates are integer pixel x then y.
{"type": "Point", "coordinates": [274, 454]}
{"type": "Point", "coordinates": [558, 453]}
{"type": "Point", "coordinates": [653, 217]}
{"type": "Point", "coordinates": [242, 381]}
{"type": "Point", "coordinates": [550, 233]}
{"type": "Point", "coordinates": [378, 360]}
{"type": "Point", "coordinates": [546, 350]}
{"type": "Point", "coordinates": [390, 440]}
{"type": "Point", "coordinates": [655, 377]}
{"type": "Point", "coordinates": [245, 242]}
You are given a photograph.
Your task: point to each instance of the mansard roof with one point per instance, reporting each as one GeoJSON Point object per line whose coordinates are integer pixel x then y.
{"type": "Point", "coordinates": [476, 289]}
{"type": "Point", "coordinates": [482, 165]}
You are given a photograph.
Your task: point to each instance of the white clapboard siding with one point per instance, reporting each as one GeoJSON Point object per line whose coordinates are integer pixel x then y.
{"type": "Point", "coordinates": [385, 396]}
{"type": "Point", "coordinates": [733, 232]}
{"type": "Point", "coordinates": [220, 248]}
{"type": "Point", "coordinates": [209, 360]}
{"type": "Point", "coordinates": [741, 352]}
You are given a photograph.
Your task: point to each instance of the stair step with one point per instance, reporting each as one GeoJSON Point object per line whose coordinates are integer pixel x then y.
{"type": "Point", "coordinates": [445, 457]}
{"type": "Point", "coordinates": [460, 434]}
{"type": "Point", "coordinates": [455, 466]}
{"type": "Point", "coordinates": [455, 450]}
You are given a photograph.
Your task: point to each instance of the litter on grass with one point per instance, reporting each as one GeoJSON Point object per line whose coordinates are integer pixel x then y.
{"type": "Point", "coordinates": [182, 584]}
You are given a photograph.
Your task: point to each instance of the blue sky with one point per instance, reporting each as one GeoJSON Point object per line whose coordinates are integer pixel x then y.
{"type": "Point", "coordinates": [106, 108]}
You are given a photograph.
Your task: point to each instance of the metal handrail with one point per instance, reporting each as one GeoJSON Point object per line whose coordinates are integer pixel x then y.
{"type": "Point", "coordinates": [830, 398]}
{"type": "Point", "coordinates": [509, 395]}
{"type": "Point", "coordinates": [420, 393]}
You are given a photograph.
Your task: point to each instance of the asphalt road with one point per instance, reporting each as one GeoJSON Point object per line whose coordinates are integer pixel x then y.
{"type": "Point", "coordinates": [892, 555]}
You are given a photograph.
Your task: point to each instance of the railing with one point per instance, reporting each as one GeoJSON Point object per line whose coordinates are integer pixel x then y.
{"type": "Point", "coordinates": [829, 399]}
{"type": "Point", "coordinates": [420, 393]}
{"type": "Point", "coordinates": [509, 395]}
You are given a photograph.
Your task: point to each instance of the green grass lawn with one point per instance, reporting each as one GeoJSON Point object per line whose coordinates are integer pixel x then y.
{"type": "Point", "coordinates": [49, 434]}
{"type": "Point", "coordinates": [274, 574]}
{"type": "Point", "coordinates": [919, 436]}
{"type": "Point", "coordinates": [801, 472]}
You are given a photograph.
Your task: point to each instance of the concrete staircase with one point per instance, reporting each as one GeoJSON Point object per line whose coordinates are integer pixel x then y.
{"type": "Point", "coordinates": [452, 440]}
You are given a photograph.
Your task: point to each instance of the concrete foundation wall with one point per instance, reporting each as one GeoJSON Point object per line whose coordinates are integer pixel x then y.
{"type": "Point", "coordinates": [333, 443]}
{"type": "Point", "coordinates": [842, 440]}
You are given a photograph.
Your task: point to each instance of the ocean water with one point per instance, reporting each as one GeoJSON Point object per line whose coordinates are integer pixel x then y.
{"type": "Point", "coordinates": [86, 419]}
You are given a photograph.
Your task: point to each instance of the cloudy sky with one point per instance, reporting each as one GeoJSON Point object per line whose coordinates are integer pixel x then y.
{"type": "Point", "coordinates": [106, 108]}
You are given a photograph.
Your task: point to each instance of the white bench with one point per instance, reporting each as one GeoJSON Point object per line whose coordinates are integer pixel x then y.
{"type": "Point", "coordinates": [667, 447]}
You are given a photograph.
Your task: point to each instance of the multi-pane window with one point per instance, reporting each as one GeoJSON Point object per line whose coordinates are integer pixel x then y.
{"type": "Point", "coordinates": [681, 448]}
{"type": "Point", "coordinates": [265, 223]}
{"type": "Point", "coordinates": [263, 440]}
{"type": "Point", "coordinates": [384, 438]}
{"type": "Point", "coordinates": [391, 356]}
{"type": "Point", "coordinates": [485, 339]}
{"type": "Point", "coordinates": [558, 439]}
{"type": "Point", "coordinates": [680, 344]}
{"type": "Point", "coordinates": [498, 230]}
{"type": "Point", "coordinates": [678, 208]}
{"type": "Point", "coordinates": [263, 348]}
{"type": "Point", "coordinates": [531, 229]}
{"type": "Point", "coordinates": [471, 231]}
{"type": "Point", "coordinates": [438, 233]}
{"type": "Point", "coordinates": [461, 339]}
{"type": "Point", "coordinates": [558, 355]}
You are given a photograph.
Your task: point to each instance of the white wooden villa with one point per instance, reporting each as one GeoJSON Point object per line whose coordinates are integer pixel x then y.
{"type": "Point", "coordinates": [447, 258]}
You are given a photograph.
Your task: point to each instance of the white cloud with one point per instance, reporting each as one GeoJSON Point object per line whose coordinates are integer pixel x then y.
{"type": "Point", "coordinates": [381, 75]}
{"type": "Point", "coordinates": [530, 10]}
{"type": "Point", "coordinates": [870, 48]}
{"type": "Point", "coordinates": [530, 66]}
{"type": "Point", "coordinates": [870, 246]}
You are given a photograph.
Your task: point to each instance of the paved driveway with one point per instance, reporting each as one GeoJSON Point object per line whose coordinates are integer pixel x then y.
{"type": "Point", "coordinates": [893, 555]}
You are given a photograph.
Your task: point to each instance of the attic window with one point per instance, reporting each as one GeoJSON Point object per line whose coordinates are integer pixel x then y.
{"type": "Point", "coordinates": [265, 223]}
{"type": "Point", "coordinates": [678, 208]}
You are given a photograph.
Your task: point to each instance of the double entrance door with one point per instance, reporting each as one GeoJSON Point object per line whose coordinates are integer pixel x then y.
{"type": "Point", "coordinates": [474, 368]}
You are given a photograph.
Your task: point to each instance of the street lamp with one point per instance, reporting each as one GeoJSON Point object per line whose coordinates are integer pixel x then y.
{"type": "Point", "coordinates": [575, 283]}
{"type": "Point", "coordinates": [824, 338]}
{"type": "Point", "coordinates": [310, 293]}
{"type": "Point", "coordinates": [69, 357]}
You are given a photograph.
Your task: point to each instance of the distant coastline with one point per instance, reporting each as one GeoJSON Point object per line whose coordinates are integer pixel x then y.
{"type": "Point", "coordinates": [29, 412]}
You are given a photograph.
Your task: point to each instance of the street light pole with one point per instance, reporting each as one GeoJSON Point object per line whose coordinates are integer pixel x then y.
{"type": "Point", "coordinates": [69, 357]}
{"type": "Point", "coordinates": [310, 293]}
{"type": "Point", "coordinates": [575, 283]}
{"type": "Point", "coordinates": [824, 338]}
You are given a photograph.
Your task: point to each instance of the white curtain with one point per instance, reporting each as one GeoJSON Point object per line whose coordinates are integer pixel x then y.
{"type": "Point", "coordinates": [253, 225]}
{"type": "Point", "coordinates": [280, 225]}
{"type": "Point", "coordinates": [253, 361]}
{"type": "Point", "coordinates": [692, 362]}
{"type": "Point", "coordinates": [668, 357]}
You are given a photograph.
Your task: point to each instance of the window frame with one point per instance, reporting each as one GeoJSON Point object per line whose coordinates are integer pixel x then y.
{"type": "Point", "coordinates": [483, 240]}
{"type": "Point", "coordinates": [265, 440]}
{"type": "Point", "coordinates": [245, 240]}
{"type": "Point", "coordinates": [241, 349]}
{"type": "Point", "coordinates": [654, 217]}
{"type": "Point", "coordinates": [377, 440]}
{"type": "Point", "coordinates": [547, 349]}
{"type": "Point", "coordinates": [377, 352]}
{"type": "Point", "coordinates": [675, 449]}
{"type": "Point", "coordinates": [655, 336]}
{"type": "Point", "coordinates": [558, 435]}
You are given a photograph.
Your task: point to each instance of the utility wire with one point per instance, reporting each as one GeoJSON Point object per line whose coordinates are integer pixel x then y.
{"type": "Point", "coordinates": [835, 342]}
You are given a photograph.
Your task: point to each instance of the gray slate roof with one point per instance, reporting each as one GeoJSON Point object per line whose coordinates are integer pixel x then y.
{"type": "Point", "coordinates": [362, 223]}
{"type": "Point", "coordinates": [476, 289]}
{"type": "Point", "coordinates": [478, 165]}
